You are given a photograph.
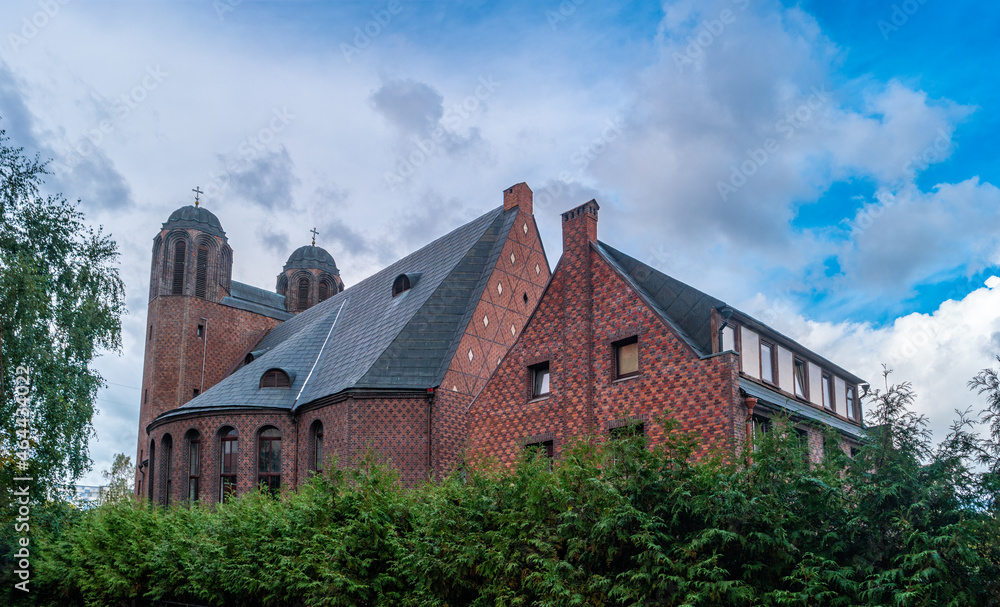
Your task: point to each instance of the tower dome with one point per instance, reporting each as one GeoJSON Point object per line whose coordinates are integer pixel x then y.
{"type": "Point", "coordinates": [310, 276]}
{"type": "Point", "coordinates": [191, 256]}
{"type": "Point", "coordinates": [196, 217]}
{"type": "Point", "coordinates": [311, 257]}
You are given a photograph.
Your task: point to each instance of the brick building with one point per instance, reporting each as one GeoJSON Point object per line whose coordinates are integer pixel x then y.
{"type": "Point", "coordinates": [614, 344]}
{"type": "Point", "coordinates": [469, 343]}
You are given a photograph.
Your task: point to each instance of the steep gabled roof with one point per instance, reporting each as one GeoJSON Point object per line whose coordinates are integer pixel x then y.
{"type": "Point", "coordinates": [689, 311]}
{"type": "Point", "coordinates": [686, 309]}
{"type": "Point", "coordinates": [364, 337]}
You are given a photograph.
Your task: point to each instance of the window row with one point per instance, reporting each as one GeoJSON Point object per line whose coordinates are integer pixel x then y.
{"type": "Point", "coordinates": [268, 466]}
{"type": "Point", "coordinates": [803, 377]}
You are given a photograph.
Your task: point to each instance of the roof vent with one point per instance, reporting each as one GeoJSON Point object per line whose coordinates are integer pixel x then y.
{"type": "Point", "coordinates": [404, 282]}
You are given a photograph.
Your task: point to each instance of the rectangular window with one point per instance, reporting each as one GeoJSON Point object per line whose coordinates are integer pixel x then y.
{"type": "Point", "coordinates": [759, 426]}
{"type": "Point", "coordinates": [150, 332]}
{"type": "Point", "coordinates": [145, 395]}
{"type": "Point", "coordinates": [627, 431]}
{"type": "Point", "coordinates": [194, 470]}
{"type": "Point", "coordinates": [767, 362]}
{"type": "Point", "coordinates": [804, 441]}
{"type": "Point", "coordinates": [269, 460]}
{"type": "Point", "coordinates": [801, 384]}
{"type": "Point", "coordinates": [201, 330]}
{"type": "Point", "coordinates": [539, 379]}
{"type": "Point", "coordinates": [828, 392]}
{"type": "Point", "coordinates": [227, 485]}
{"type": "Point", "coordinates": [627, 357]}
{"type": "Point", "coordinates": [195, 393]}
{"type": "Point", "coordinates": [850, 403]}
{"type": "Point", "coordinates": [319, 451]}
{"type": "Point", "coordinates": [545, 447]}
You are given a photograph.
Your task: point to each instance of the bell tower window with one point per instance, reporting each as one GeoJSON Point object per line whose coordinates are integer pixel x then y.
{"type": "Point", "coordinates": [201, 273]}
{"type": "Point", "coordinates": [303, 302]}
{"type": "Point", "coordinates": [178, 284]}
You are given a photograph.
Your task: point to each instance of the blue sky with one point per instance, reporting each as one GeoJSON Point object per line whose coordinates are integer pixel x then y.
{"type": "Point", "coordinates": [825, 166]}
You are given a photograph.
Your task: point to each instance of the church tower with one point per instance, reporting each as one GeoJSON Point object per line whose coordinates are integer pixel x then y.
{"type": "Point", "coordinates": [191, 274]}
{"type": "Point", "coordinates": [310, 276]}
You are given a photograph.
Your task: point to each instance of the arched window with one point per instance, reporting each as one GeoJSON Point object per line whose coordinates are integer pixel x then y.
{"type": "Point", "coordinates": [168, 452]}
{"type": "Point", "coordinates": [152, 470]}
{"type": "Point", "coordinates": [402, 283]}
{"type": "Point", "coordinates": [324, 291]}
{"type": "Point", "coordinates": [201, 273]}
{"type": "Point", "coordinates": [318, 454]}
{"type": "Point", "coordinates": [180, 249]}
{"type": "Point", "coordinates": [275, 378]}
{"type": "Point", "coordinates": [269, 460]}
{"type": "Point", "coordinates": [194, 466]}
{"type": "Point", "coordinates": [303, 301]}
{"type": "Point", "coordinates": [229, 447]}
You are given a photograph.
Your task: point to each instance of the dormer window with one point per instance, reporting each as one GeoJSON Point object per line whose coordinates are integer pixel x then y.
{"type": "Point", "coordinates": [402, 283]}
{"type": "Point", "coordinates": [275, 378]}
{"type": "Point", "coordinates": [801, 382]}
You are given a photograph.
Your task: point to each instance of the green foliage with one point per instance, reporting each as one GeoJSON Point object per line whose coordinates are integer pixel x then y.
{"type": "Point", "coordinates": [61, 300]}
{"type": "Point", "coordinates": [612, 522]}
{"type": "Point", "coordinates": [119, 480]}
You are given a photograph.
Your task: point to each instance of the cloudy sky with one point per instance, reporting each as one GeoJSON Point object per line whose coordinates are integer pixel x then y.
{"type": "Point", "coordinates": [827, 167]}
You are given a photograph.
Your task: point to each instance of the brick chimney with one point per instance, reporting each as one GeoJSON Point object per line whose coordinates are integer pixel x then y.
{"type": "Point", "coordinates": [518, 196]}
{"type": "Point", "coordinates": [579, 227]}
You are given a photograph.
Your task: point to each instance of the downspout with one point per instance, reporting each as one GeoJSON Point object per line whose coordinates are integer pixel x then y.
{"type": "Point", "coordinates": [430, 417]}
{"type": "Point", "coordinates": [204, 355]}
{"type": "Point", "coordinates": [749, 402]}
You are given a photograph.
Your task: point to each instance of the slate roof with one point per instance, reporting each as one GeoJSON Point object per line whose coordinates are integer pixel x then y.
{"type": "Point", "coordinates": [686, 309]}
{"type": "Point", "coordinates": [256, 300]}
{"type": "Point", "coordinates": [365, 338]}
{"type": "Point", "coordinates": [689, 311]}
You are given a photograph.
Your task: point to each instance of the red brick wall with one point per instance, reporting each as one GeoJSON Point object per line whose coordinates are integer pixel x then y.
{"type": "Point", "coordinates": [174, 356]}
{"type": "Point", "coordinates": [511, 293]}
{"type": "Point", "coordinates": [586, 307]}
{"type": "Point", "coordinates": [209, 426]}
{"type": "Point", "coordinates": [394, 429]}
